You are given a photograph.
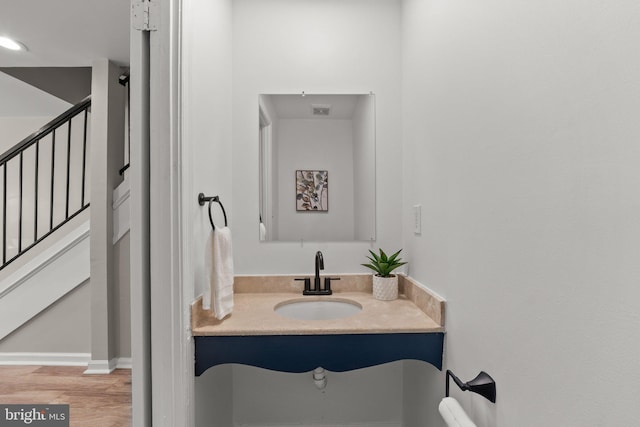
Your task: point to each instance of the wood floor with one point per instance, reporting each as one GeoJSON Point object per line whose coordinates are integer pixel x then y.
{"type": "Point", "coordinates": [94, 400]}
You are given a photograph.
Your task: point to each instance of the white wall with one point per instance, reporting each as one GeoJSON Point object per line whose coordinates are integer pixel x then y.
{"type": "Point", "coordinates": [207, 139]}
{"type": "Point", "coordinates": [15, 129]}
{"type": "Point", "coordinates": [308, 144]}
{"type": "Point", "coordinates": [207, 117]}
{"type": "Point", "coordinates": [521, 143]}
{"type": "Point", "coordinates": [44, 189]}
{"type": "Point", "coordinates": [358, 398]}
{"type": "Point", "coordinates": [348, 47]}
{"type": "Point", "coordinates": [214, 397]}
{"type": "Point", "coordinates": [277, 49]}
{"type": "Point", "coordinates": [24, 109]}
{"type": "Point", "coordinates": [21, 100]}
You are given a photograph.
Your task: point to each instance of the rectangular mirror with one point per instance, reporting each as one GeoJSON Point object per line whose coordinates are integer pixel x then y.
{"type": "Point", "coordinates": [317, 167]}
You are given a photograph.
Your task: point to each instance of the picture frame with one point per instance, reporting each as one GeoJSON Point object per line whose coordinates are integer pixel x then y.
{"type": "Point", "coordinates": [312, 190]}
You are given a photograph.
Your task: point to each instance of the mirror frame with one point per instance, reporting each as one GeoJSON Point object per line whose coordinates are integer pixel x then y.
{"type": "Point", "coordinates": [363, 173]}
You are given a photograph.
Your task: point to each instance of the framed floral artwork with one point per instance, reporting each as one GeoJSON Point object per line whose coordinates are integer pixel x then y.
{"type": "Point", "coordinates": [312, 191]}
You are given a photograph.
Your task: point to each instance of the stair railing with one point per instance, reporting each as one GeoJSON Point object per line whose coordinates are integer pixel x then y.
{"type": "Point", "coordinates": [44, 181]}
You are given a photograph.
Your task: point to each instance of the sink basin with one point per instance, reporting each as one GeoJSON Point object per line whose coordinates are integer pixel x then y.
{"type": "Point", "coordinates": [317, 309]}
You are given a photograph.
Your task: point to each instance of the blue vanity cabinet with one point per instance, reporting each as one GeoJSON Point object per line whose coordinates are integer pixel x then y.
{"type": "Point", "coordinates": [303, 353]}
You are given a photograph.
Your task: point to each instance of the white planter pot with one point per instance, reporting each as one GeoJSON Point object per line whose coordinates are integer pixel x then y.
{"type": "Point", "coordinates": [385, 288]}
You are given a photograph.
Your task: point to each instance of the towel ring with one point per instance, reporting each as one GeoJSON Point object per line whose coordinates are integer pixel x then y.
{"type": "Point", "coordinates": [482, 384]}
{"type": "Point", "coordinates": [202, 198]}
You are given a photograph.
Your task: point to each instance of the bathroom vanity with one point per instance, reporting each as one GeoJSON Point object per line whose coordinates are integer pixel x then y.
{"type": "Point", "coordinates": [411, 327]}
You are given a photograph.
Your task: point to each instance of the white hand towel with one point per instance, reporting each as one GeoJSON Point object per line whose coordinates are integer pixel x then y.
{"type": "Point", "coordinates": [453, 414]}
{"type": "Point", "coordinates": [219, 296]}
{"type": "Point", "coordinates": [208, 268]}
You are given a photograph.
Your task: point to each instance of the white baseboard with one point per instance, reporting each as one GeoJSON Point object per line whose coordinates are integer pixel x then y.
{"type": "Point", "coordinates": [101, 367]}
{"type": "Point", "coordinates": [45, 359]}
{"type": "Point", "coordinates": [65, 359]}
{"type": "Point", "coordinates": [124, 363]}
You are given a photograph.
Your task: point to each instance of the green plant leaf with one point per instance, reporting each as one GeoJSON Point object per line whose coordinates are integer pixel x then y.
{"type": "Point", "coordinates": [394, 256]}
{"type": "Point", "coordinates": [383, 264]}
{"type": "Point", "coordinates": [373, 267]}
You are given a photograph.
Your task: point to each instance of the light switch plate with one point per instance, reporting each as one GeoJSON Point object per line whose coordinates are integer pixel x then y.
{"type": "Point", "coordinates": [417, 219]}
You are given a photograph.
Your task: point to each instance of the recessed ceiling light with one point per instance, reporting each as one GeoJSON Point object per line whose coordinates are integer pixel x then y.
{"type": "Point", "coordinates": [11, 44]}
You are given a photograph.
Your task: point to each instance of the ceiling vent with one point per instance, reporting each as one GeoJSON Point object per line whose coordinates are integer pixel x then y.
{"type": "Point", "coordinates": [320, 109]}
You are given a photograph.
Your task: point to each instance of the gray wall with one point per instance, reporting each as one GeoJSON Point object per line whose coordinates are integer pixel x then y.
{"type": "Point", "coordinates": [71, 84]}
{"type": "Point", "coordinates": [122, 297]}
{"type": "Point", "coordinates": [64, 327]}
{"type": "Point", "coordinates": [107, 157]}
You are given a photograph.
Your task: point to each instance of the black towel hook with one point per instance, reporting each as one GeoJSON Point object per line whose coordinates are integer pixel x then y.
{"type": "Point", "coordinates": [202, 198]}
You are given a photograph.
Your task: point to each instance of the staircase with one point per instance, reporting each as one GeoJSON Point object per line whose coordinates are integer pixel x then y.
{"type": "Point", "coordinates": [43, 182]}
{"type": "Point", "coordinates": [43, 187]}
{"type": "Point", "coordinates": [64, 268]}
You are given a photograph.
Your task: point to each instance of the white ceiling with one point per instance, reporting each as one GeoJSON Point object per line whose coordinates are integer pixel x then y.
{"type": "Point", "coordinates": [65, 33]}
{"type": "Point", "coordinates": [58, 33]}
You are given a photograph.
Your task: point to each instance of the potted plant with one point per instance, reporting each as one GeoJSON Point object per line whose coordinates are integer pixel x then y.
{"type": "Point", "coordinates": [385, 284]}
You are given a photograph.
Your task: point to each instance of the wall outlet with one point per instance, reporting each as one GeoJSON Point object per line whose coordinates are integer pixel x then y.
{"type": "Point", "coordinates": [417, 219]}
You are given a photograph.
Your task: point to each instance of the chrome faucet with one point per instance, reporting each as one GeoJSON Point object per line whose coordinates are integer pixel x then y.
{"type": "Point", "coordinates": [317, 290]}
